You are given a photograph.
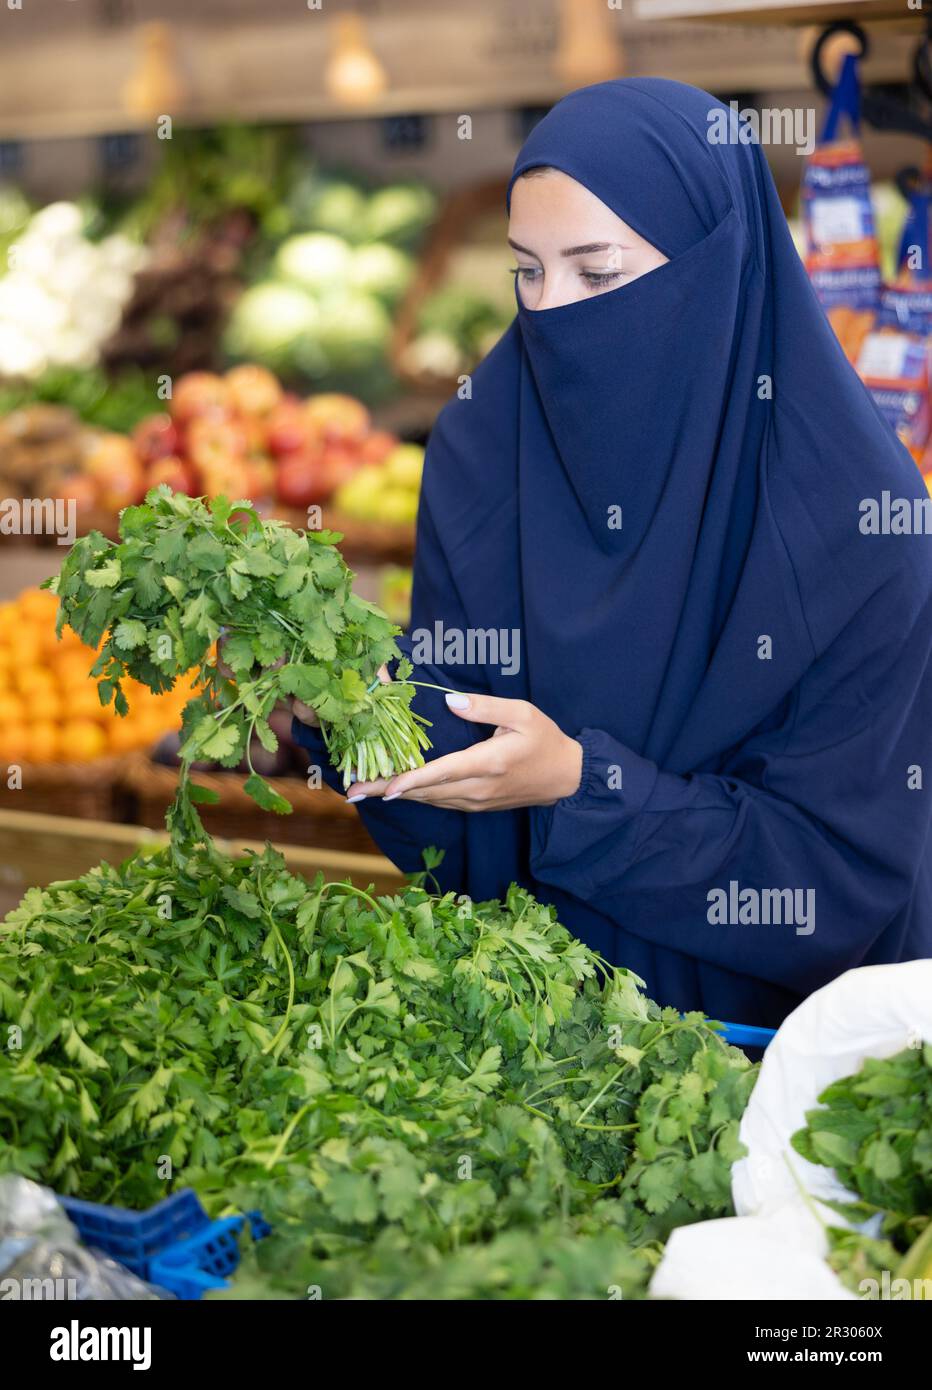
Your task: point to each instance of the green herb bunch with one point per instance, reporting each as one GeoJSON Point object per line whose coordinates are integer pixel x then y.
{"type": "Point", "coordinates": [336, 1059]}
{"type": "Point", "coordinates": [875, 1130]}
{"type": "Point", "coordinates": [183, 573]}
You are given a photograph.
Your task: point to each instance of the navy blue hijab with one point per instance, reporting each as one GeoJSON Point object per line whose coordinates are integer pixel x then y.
{"type": "Point", "coordinates": [749, 665]}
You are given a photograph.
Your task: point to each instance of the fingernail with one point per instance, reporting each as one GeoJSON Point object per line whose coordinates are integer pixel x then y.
{"type": "Point", "coordinates": [458, 701]}
{"type": "Point", "coordinates": [391, 796]}
{"type": "Point", "coordinates": [360, 796]}
{"type": "Point", "coordinates": [353, 778]}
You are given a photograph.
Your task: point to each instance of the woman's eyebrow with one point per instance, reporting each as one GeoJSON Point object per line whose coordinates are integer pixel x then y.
{"type": "Point", "coordinates": [516, 247]}
{"type": "Point", "coordinates": [591, 246]}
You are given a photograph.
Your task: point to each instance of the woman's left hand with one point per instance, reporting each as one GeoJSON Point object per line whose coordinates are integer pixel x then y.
{"type": "Point", "coordinates": [528, 761]}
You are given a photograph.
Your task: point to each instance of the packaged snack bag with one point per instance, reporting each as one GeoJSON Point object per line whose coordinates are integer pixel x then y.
{"type": "Point", "coordinates": [841, 248]}
{"type": "Point", "coordinates": [893, 361]}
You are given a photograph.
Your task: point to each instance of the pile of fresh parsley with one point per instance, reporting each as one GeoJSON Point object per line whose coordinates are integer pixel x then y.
{"type": "Point", "coordinates": [185, 571]}
{"type": "Point", "coordinates": [400, 1082]}
{"type": "Point", "coordinates": [875, 1130]}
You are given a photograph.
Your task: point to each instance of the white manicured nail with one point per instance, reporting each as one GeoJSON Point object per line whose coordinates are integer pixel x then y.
{"type": "Point", "coordinates": [458, 701]}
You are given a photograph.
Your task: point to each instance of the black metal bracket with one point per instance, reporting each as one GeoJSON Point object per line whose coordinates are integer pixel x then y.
{"type": "Point", "coordinates": [881, 109]}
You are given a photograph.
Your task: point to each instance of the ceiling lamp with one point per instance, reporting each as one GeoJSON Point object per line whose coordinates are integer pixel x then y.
{"type": "Point", "coordinates": [353, 76]}
{"type": "Point", "coordinates": [156, 87]}
{"type": "Point", "coordinates": [589, 49]}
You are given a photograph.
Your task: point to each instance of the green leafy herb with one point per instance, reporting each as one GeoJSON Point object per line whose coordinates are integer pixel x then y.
{"type": "Point", "coordinates": [875, 1130]}
{"type": "Point", "coordinates": [183, 573]}
{"type": "Point", "coordinates": [415, 1089]}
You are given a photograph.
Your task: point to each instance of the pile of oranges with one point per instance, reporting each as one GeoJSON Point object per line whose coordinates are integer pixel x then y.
{"type": "Point", "coordinates": [49, 707]}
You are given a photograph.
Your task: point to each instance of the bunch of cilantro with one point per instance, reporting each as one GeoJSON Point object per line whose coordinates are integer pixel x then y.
{"type": "Point", "coordinates": [875, 1130]}
{"type": "Point", "coordinates": [183, 572]}
{"type": "Point", "coordinates": [411, 1087]}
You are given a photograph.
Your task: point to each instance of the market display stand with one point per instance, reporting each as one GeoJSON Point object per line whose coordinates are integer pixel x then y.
{"type": "Point", "coordinates": [36, 850]}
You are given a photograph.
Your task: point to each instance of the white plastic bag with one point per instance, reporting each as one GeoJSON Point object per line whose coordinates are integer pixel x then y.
{"type": "Point", "coordinates": [775, 1247]}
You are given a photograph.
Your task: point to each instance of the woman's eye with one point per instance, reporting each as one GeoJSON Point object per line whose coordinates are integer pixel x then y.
{"type": "Point", "coordinates": [600, 278]}
{"type": "Point", "coordinates": [526, 272]}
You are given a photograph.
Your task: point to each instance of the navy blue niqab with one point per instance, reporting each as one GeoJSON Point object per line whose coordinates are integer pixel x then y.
{"type": "Point", "coordinates": [747, 672]}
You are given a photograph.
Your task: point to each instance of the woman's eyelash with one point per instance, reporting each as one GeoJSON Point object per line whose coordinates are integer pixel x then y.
{"type": "Point", "coordinates": [595, 278]}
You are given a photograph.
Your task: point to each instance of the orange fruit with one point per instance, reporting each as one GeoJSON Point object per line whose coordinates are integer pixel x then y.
{"type": "Point", "coordinates": [83, 702]}
{"type": "Point", "coordinates": [44, 742]}
{"type": "Point", "coordinates": [14, 742]}
{"type": "Point", "coordinates": [122, 736]}
{"type": "Point", "coordinates": [11, 709]}
{"type": "Point", "coordinates": [33, 680]}
{"type": "Point", "coordinates": [71, 669]}
{"type": "Point", "coordinates": [25, 648]}
{"type": "Point", "coordinates": [45, 705]}
{"type": "Point", "coordinates": [82, 740]}
{"type": "Point", "coordinates": [37, 603]}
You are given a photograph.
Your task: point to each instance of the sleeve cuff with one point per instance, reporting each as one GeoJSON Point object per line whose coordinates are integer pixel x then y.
{"type": "Point", "coordinates": [615, 784]}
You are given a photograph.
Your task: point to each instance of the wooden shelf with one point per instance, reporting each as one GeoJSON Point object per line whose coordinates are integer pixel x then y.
{"type": "Point", "coordinates": [780, 12]}
{"type": "Point", "coordinates": [36, 850]}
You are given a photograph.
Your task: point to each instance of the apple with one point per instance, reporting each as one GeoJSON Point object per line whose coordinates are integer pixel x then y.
{"type": "Point", "coordinates": [289, 428]}
{"type": "Point", "coordinates": [211, 442]}
{"type": "Point", "coordinates": [337, 464]}
{"type": "Point", "coordinates": [113, 465]}
{"type": "Point", "coordinates": [231, 479]}
{"type": "Point", "coordinates": [299, 481]}
{"type": "Point", "coordinates": [253, 390]}
{"type": "Point", "coordinates": [197, 394]}
{"type": "Point", "coordinates": [255, 434]}
{"type": "Point", "coordinates": [338, 417]}
{"type": "Point", "coordinates": [177, 473]}
{"type": "Point", "coordinates": [261, 473]}
{"type": "Point", "coordinates": [404, 466]}
{"type": "Point", "coordinates": [80, 489]}
{"type": "Point", "coordinates": [377, 446]}
{"type": "Point", "coordinates": [156, 437]}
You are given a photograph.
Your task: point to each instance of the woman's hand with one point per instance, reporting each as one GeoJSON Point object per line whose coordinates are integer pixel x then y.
{"type": "Point", "coordinates": [528, 761]}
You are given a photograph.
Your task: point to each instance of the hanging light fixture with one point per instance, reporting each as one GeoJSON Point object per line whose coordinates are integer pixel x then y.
{"type": "Point", "coordinates": [156, 87]}
{"type": "Point", "coordinates": [353, 75]}
{"type": "Point", "coordinates": [589, 49]}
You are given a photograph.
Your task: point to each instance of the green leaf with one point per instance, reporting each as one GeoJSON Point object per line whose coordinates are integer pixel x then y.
{"type": "Point", "coordinates": [107, 576]}
{"type": "Point", "coordinates": [130, 634]}
{"type": "Point", "coordinates": [266, 797]}
{"type": "Point", "coordinates": [206, 553]}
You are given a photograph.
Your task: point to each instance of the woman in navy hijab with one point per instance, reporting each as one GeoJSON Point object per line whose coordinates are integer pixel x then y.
{"type": "Point", "coordinates": [708, 743]}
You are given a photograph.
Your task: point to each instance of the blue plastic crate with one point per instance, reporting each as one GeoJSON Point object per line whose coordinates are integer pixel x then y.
{"type": "Point", "coordinates": [133, 1237]}
{"type": "Point", "coordinates": [191, 1267]}
{"type": "Point", "coordinates": [744, 1035]}
{"type": "Point", "coordinates": [174, 1244]}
